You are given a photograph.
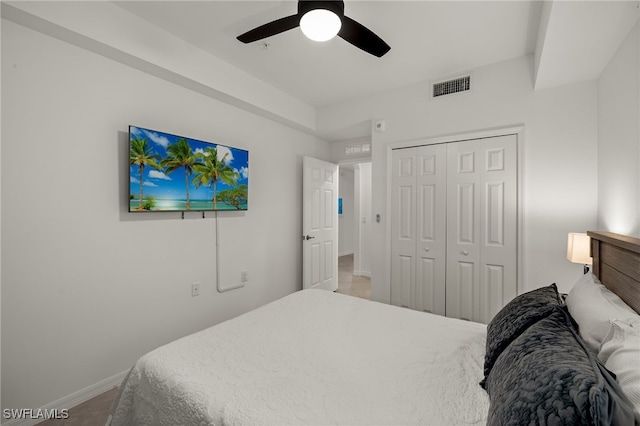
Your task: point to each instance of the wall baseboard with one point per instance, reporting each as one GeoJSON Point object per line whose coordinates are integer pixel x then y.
{"type": "Point", "coordinates": [74, 399]}
{"type": "Point", "coordinates": [362, 273]}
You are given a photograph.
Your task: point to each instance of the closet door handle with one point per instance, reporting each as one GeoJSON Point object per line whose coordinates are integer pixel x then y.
{"type": "Point", "coordinates": [465, 253]}
{"type": "Point", "coordinates": [426, 249]}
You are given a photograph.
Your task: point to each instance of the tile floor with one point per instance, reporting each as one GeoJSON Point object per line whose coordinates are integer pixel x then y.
{"type": "Point", "coordinates": [348, 283]}
{"type": "Point", "coordinates": [95, 412]}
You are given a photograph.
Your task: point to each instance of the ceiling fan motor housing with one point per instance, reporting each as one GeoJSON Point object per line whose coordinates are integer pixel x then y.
{"type": "Point", "coordinates": [336, 7]}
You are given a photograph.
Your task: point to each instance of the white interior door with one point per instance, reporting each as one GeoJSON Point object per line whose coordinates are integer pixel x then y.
{"type": "Point", "coordinates": [320, 224]}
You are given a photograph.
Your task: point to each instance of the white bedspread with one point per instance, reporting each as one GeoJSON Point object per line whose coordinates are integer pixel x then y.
{"type": "Point", "coordinates": [314, 357]}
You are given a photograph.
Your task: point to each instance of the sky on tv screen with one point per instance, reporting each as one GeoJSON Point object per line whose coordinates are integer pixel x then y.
{"type": "Point", "coordinates": [175, 173]}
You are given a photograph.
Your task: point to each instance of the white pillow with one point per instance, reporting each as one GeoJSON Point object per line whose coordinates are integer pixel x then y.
{"type": "Point", "coordinates": [620, 354]}
{"type": "Point", "coordinates": [593, 307]}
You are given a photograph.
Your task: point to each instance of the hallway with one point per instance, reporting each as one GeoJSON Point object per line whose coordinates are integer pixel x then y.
{"type": "Point", "coordinates": [354, 285]}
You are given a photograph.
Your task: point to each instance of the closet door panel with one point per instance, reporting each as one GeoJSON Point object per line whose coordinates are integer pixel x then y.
{"type": "Point", "coordinates": [499, 178]}
{"type": "Point", "coordinates": [461, 284]}
{"type": "Point", "coordinates": [418, 228]}
{"type": "Point", "coordinates": [482, 227]}
{"type": "Point", "coordinates": [426, 279]}
{"type": "Point", "coordinates": [426, 286]}
{"type": "Point", "coordinates": [463, 230]}
{"type": "Point", "coordinates": [492, 288]}
{"type": "Point", "coordinates": [465, 213]}
{"type": "Point", "coordinates": [403, 287]}
{"type": "Point", "coordinates": [403, 227]}
{"type": "Point", "coordinates": [495, 214]}
{"type": "Point", "coordinates": [431, 226]}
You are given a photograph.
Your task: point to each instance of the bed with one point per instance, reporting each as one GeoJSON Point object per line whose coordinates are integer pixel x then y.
{"type": "Point", "coordinates": [317, 357]}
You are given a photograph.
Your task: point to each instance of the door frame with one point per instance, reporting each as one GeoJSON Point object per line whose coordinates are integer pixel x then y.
{"type": "Point", "coordinates": [517, 130]}
{"type": "Point", "coordinates": [358, 248]}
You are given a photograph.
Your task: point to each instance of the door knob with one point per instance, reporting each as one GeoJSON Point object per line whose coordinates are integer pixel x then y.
{"type": "Point", "coordinates": [307, 237]}
{"type": "Point", "coordinates": [426, 249]}
{"type": "Point", "coordinates": [465, 253]}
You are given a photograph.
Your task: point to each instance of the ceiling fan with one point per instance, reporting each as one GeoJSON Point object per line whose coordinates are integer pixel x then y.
{"type": "Point", "coordinates": [321, 21]}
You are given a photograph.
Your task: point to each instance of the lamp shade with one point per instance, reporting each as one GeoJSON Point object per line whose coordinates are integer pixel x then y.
{"type": "Point", "coordinates": [320, 24]}
{"type": "Point", "coordinates": [578, 248]}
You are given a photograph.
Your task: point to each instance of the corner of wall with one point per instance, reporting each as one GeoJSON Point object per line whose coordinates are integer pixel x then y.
{"type": "Point", "coordinates": [619, 139]}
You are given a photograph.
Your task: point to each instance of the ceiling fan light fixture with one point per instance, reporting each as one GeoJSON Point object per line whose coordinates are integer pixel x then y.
{"type": "Point", "coordinates": [321, 20]}
{"type": "Point", "coordinates": [320, 24]}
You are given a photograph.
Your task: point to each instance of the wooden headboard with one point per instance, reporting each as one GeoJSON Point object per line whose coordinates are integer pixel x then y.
{"type": "Point", "coordinates": [616, 263]}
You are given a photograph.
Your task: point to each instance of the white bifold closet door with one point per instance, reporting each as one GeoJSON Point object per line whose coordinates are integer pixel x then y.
{"type": "Point", "coordinates": [418, 228]}
{"type": "Point", "coordinates": [454, 227]}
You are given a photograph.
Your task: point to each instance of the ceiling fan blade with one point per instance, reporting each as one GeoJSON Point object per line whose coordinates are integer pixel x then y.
{"type": "Point", "coordinates": [362, 37]}
{"type": "Point", "coordinates": [272, 28]}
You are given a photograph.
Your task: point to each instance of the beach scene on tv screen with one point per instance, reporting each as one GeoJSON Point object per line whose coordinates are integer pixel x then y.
{"type": "Point", "coordinates": [175, 173]}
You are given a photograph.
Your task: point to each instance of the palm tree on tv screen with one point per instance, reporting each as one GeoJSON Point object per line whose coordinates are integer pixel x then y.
{"type": "Point", "coordinates": [210, 169]}
{"type": "Point", "coordinates": [142, 155]}
{"type": "Point", "coordinates": [236, 197]}
{"type": "Point", "coordinates": [179, 155]}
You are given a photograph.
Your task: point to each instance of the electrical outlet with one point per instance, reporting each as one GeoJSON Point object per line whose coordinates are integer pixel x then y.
{"type": "Point", "coordinates": [195, 289]}
{"type": "Point", "coordinates": [244, 276]}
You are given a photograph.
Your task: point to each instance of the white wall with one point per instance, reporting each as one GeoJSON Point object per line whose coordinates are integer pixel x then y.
{"type": "Point", "coordinates": [339, 155]}
{"type": "Point", "coordinates": [619, 140]}
{"type": "Point", "coordinates": [87, 287]}
{"type": "Point", "coordinates": [560, 147]}
{"type": "Point", "coordinates": [346, 220]}
{"type": "Point", "coordinates": [105, 27]}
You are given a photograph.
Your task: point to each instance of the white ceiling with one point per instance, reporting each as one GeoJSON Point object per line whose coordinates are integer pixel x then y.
{"type": "Point", "coordinates": [578, 38]}
{"type": "Point", "coordinates": [429, 40]}
{"type": "Point", "coordinates": [193, 43]}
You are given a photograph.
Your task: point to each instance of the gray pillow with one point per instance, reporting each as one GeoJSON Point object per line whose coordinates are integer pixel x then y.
{"type": "Point", "coordinates": [516, 317]}
{"type": "Point", "coordinates": [547, 376]}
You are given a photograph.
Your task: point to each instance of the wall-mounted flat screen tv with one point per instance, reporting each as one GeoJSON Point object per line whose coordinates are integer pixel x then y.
{"type": "Point", "coordinates": [169, 173]}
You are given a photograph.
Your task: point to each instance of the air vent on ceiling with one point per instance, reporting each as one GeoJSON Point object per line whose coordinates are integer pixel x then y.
{"type": "Point", "coordinates": [449, 87]}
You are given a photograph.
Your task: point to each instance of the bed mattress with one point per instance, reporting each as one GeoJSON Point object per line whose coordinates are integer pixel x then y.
{"type": "Point", "coordinates": [313, 357]}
